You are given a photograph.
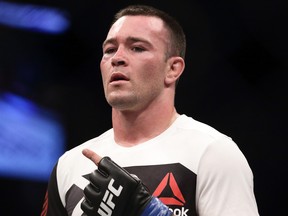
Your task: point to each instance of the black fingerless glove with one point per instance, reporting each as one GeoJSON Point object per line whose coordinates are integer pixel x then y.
{"type": "Point", "coordinates": [112, 191]}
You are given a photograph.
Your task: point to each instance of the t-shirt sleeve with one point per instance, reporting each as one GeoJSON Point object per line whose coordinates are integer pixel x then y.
{"type": "Point", "coordinates": [225, 182]}
{"type": "Point", "coordinates": [52, 205]}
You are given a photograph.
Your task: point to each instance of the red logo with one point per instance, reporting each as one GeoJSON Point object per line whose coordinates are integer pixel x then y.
{"type": "Point", "coordinates": [169, 181]}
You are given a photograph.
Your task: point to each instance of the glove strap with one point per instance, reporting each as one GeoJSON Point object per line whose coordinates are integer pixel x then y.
{"type": "Point", "coordinates": [156, 208]}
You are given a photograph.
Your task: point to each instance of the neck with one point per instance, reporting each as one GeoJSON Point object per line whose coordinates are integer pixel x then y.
{"type": "Point", "coordinates": [132, 127]}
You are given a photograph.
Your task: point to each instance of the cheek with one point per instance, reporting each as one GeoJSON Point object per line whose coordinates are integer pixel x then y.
{"type": "Point", "coordinates": [103, 70]}
{"type": "Point", "coordinates": [153, 72]}
{"type": "Point", "coordinates": [151, 79]}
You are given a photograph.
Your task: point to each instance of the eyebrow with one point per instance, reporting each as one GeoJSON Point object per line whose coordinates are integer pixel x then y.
{"type": "Point", "coordinates": [129, 39]}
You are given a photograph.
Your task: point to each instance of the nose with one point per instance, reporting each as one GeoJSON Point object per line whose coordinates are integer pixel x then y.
{"type": "Point", "coordinates": [119, 58]}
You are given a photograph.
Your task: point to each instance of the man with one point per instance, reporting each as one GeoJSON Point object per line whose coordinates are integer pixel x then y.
{"type": "Point", "coordinates": [155, 160]}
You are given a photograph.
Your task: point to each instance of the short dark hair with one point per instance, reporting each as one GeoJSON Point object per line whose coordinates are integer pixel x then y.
{"type": "Point", "coordinates": [178, 38]}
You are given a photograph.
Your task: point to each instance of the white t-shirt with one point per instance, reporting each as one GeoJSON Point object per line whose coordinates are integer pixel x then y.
{"type": "Point", "coordinates": [191, 167]}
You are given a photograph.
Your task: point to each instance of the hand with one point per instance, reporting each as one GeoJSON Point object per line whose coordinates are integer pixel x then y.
{"type": "Point", "coordinates": [112, 191]}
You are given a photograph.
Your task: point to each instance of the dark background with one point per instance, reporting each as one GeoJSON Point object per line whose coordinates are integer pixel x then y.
{"type": "Point", "coordinates": [235, 80]}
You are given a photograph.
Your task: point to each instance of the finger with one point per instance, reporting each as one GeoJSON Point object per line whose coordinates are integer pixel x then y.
{"type": "Point", "coordinates": [92, 156]}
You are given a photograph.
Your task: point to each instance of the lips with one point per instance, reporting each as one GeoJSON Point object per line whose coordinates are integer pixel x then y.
{"type": "Point", "coordinates": [116, 76]}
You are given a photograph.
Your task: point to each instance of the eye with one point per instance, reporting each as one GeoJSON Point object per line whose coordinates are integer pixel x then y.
{"type": "Point", "coordinates": [109, 50]}
{"type": "Point", "coordinates": [138, 49]}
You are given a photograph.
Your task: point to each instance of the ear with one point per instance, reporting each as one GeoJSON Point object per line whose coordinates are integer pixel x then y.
{"type": "Point", "coordinates": [176, 66]}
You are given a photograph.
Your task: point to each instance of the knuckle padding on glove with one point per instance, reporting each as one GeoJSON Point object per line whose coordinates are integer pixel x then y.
{"type": "Point", "coordinates": [113, 189]}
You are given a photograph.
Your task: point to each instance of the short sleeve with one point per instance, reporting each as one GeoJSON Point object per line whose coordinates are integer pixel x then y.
{"type": "Point", "coordinates": [225, 182]}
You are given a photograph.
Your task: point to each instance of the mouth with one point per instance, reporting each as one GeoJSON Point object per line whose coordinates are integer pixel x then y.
{"type": "Point", "coordinates": [118, 77]}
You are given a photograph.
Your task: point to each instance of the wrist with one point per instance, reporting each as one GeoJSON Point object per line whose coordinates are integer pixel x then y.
{"type": "Point", "coordinates": [156, 208]}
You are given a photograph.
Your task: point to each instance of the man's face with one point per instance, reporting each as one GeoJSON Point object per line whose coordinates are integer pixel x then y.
{"type": "Point", "coordinates": [134, 63]}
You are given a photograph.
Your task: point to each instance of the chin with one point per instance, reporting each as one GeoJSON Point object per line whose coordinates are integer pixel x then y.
{"type": "Point", "coordinates": [121, 105]}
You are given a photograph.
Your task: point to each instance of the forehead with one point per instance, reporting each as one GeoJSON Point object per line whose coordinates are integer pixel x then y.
{"type": "Point", "coordinates": [138, 26]}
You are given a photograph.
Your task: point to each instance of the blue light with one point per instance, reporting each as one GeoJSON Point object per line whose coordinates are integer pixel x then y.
{"type": "Point", "coordinates": [34, 18]}
{"type": "Point", "coordinates": [31, 139]}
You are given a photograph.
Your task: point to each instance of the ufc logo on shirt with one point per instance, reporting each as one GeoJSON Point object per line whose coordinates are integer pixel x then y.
{"type": "Point", "coordinates": [107, 205]}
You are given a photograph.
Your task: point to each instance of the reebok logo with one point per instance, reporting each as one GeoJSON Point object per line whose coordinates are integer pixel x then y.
{"type": "Point", "coordinates": [169, 183]}
{"type": "Point", "coordinates": [107, 205]}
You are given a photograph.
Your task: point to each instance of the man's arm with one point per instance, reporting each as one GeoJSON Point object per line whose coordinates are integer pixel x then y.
{"type": "Point", "coordinates": [225, 182]}
{"type": "Point", "coordinates": [113, 191]}
{"type": "Point", "coordinates": [52, 205]}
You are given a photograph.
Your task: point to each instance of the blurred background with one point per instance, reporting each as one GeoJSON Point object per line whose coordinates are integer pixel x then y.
{"type": "Point", "coordinates": [51, 96]}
